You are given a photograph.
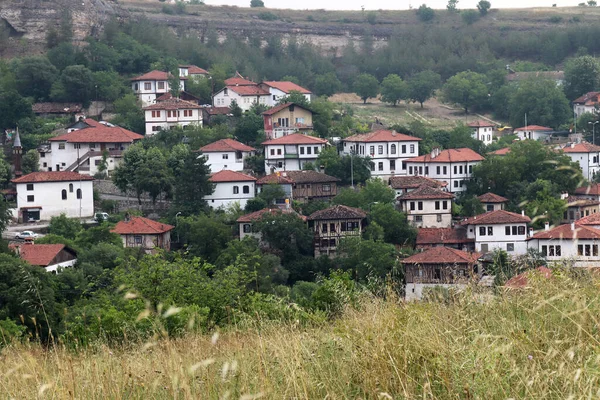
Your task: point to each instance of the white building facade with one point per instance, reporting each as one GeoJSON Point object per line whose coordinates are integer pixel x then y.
{"type": "Point", "coordinates": [573, 243]}
{"type": "Point", "coordinates": [279, 89]}
{"type": "Point", "coordinates": [499, 229]}
{"type": "Point", "coordinates": [533, 132]}
{"type": "Point", "coordinates": [483, 131]}
{"type": "Point", "coordinates": [149, 86]}
{"type": "Point", "coordinates": [231, 187]}
{"type": "Point", "coordinates": [587, 155]}
{"type": "Point", "coordinates": [292, 152]}
{"type": "Point", "coordinates": [244, 95]}
{"type": "Point", "coordinates": [226, 154]}
{"type": "Point", "coordinates": [171, 113]}
{"type": "Point", "coordinates": [427, 207]}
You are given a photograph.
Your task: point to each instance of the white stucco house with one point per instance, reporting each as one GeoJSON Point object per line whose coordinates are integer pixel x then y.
{"type": "Point", "coordinates": [483, 131]}
{"type": "Point", "coordinates": [573, 242]}
{"type": "Point", "coordinates": [144, 233]}
{"type": "Point", "coordinates": [492, 202]}
{"type": "Point", "coordinates": [43, 195]}
{"type": "Point", "coordinates": [226, 154]}
{"type": "Point", "coordinates": [244, 95]}
{"type": "Point", "coordinates": [533, 132]}
{"type": "Point", "coordinates": [587, 103]}
{"type": "Point", "coordinates": [84, 145]}
{"type": "Point", "coordinates": [231, 187]}
{"type": "Point", "coordinates": [149, 86]}
{"type": "Point", "coordinates": [292, 152]}
{"type": "Point", "coordinates": [453, 166]}
{"type": "Point", "coordinates": [587, 155]}
{"type": "Point", "coordinates": [499, 229]}
{"type": "Point", "coordinates": [192, 71]}
{"type": "Point", "coordinates": [388, 151]}
{"type": "Point", "coordinates": [171, 113]}
{"type": "Point", "coordinates": [427, 207]}
{"type": "Point", "coordinates": [280, 89]}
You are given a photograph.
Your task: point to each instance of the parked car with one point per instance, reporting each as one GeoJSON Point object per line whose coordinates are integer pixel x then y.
{"type": "Point", "coordinates": [101, 216]}
{"type": "Point", "coordinates": [26, 235]}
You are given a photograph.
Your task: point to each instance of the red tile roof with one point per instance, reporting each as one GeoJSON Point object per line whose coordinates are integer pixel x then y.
{"type": "Point", "coordinates": [497, 217]}
{"type": "Point", "coordinates": [338, 212]}
{"type": "Point", "coordinates": [194, 70]}
{"type": "Point", "coordinates": [534, 128]}
{"type": "Point", "coordinates": [295, 138]}
{"type": "Point", "coordinates": [308, 177]}
{"type": "Point", "coordinates": [274, 179]}
{"type": "Point", "coordinates": [501, 152]}
{"type": "Point", "coordinates": [280, 107]}
{"type": "Point", "coordinates": [287, 86]}
{"type": "Point", "coordinates": [592, 219]}
{"type": "Point", "coordinates": [225, 145]}
{"type": "Point", "coordinates": [589, 99]}
{"type": "Point", "coordinates": [40, 254]}
{"type": "Point", "coordinates": [583, 147]}
{"type": "Point", "coordinates": [248, 90]}
{"type": "Point", "coordinates": [565, 232]}
{"type": "Point", "coordinates": [579, 202]}
{"type": "Point", "coordinates": [480, 124]}
{"type": "Point", "coordinates": [98, 133]}
{"type": "Point", "coordinates": [256, 215]}
{"type": "Point", "coordinates": [154, 76]}
{"type": "Point", "coordinates": [230, 176]}
{"type": "Point", "coordinates": [592, 190]}
{"type": "Point", "coordinates": [172, 104]}
{"type": "Point", "coordinates": [426, 192]}
{"type": "Point", "coordinates": [522, 280]}
{"type": "Point", "coordinates": [52, 176]}
{"type": "Point", "coordinates": [433, 236]}
{"type": "Point", "coordinates": [449, 156]}
{"type": "Point", "coordinates": [141, 226]}
{"type": "Point", "coordinates": [442, 255]}
{"type": "Point", "coordinates": [413, 182]}
{"type": "Point", "coordinates": [381, 136]}
{"type": "Point", "coordinates": [492, 198]}
{"type": "Point", "coordinates": [56, 108]}
{"type": "Point", "coordinates": [238, 80]}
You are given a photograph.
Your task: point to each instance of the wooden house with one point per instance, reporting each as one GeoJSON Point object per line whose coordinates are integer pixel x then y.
{"type": "Point", "coordinates": [333, 224]}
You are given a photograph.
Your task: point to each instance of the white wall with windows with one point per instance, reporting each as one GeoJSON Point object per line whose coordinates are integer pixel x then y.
{"type": "Point", "coordinates": [387, 158]}
{"type": "Point", "coordinates": [226, 193]}
{"type": "Point", "coordinates": [44, 200]}
{"type": "Point", "coordinates": [290, 157]}
{"type": "Point", "coordinates": [428, 213]}
{"type": "Point", "coordinates": [508, 237]}
{"type": "Point", "coordinates": [455, 175]}
{"type": "Point", "coordinates": [583, 252]}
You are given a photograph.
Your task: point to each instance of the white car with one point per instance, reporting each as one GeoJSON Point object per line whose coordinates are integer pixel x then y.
{"type": "Point", "coordinates": [26, 235]}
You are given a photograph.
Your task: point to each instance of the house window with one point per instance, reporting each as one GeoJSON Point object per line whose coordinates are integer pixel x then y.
{"type": "Point", "coordinates": [301, 150]}
{"type": "Point", "coordinates": [521, 230]}
{"type": "Point", "coordinates": [78, 193]}
{"type": "Point", "coordinates": [445, 205]}
{"type": "Point", "coordinates": [161, 85]}
{"type": "Point", "coordinates": [437, 205]}
{"type": "Point", "coordinates": [137, 239]}
{"type": "Point", "coordinates": [136, 87]}
{"type": "Point", "coordinates": [30, 186]}
{"type": "Point", "coordinates": [412, 206]}
{"type": "Point", "coordinates": [332, 227]}
{"type": "Point", "coordinates": [392, 165]}
{"type": "Point", "coordinates": [412, 148]}
{"type": "Point", "coordinates": [393, 149]}
{"type": "Point", "coordinates": [326, 187]}
{"type": "Point", "coordinates": [420, 205]}
{"type": "Point", "coordinates": [236, 190]}
{"type": "Point", "coordinates": [372, 150]}
{"type": "Point", "coordinates": [225, 92]}
{"type": "Point", "coordinates": [403, 149]}
{"type": "Point", "coordinates": [380, 149]}
{"type": "Point", "coordinates": [155, 114]}
{"type": "Point", "coordinates": [439, 218]}
{"type": "Point", "coordinates": [507, 230]}
{"type": "Point", "coordinates": [470, 169]}
{"type": "Point", "coordinates": [455, 184]}
{"type": "Point", "coordinates": [97, 162]}
{"type": "Point", "coordinates": [460, 169]}
{"type": "Point", "coordinates": [410, 170]}
{"type": "Point", "coordinates": [380, 166]}
{"type": "Point", "coordinates": [272, 152]}
{"type": "Point", "coordinates": [418, 218]}
{"type": "Point", "coordinates": [147, 86]}
{"type": "Point", "coordinates": [510, 247]}
{"type": "Point", "coordinates": [247, 228]}
{"type": "Point", "coordinates": [482, 231]}
{"type": "Point", "coordinates": [445, 170]}
{"type": "Point", "coordinates": [484, 248]}
{"type": "Point", "coordinates": [437, 170]}
{"type": "Point", "coordinates": [455, 170]}
{"type": "Point", "coordinates": [278, 152]}
{"type": "Point", "coordinates": [324, 228]}
{"type": "Point", "coordinates": [64, 194]}
{"type": "Point", "coordinates": [70, 188]}
{"type": "Point", "coordinates": [246, 189]}
{"type": "Point", "coordinates": [490, 230]}
{"type": "Point", "coordinates": [544, 251]}
{"type": "Point", "coordinates": [30, 198]}
{"type": "Point", "coordinates": [316, 149]}
{"type": "Point", "coordinates": [309, 150]}
{"type": "Point", "coordinates": [77, 146]}
{"type": "Point", "coordinates": [225, 156]}
{"type": "Point", "coordinates": [426, 171]}
{"type": "Point", "coordinates": [61, 146]}
{"type": "Point", "coordinates": [403, 165]}
{"type": "Point", "coordinates": [156, 128]}
{"type": "Point", "coordinates": [489, 207]}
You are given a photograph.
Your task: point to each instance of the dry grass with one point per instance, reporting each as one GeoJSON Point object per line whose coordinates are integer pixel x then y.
{"type": "Point", "coordinates": [538, 343]}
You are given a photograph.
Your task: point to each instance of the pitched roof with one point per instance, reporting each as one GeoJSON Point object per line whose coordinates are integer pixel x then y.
{"type": "Point", "coordinates": [182, 95]}
{"type": "Point", "coordinates": [172, 104]}
{"type": "Point", "coordinates": [280, 107]}
{"type": "Point", "coordinates": [296, 138]}
{"type": "Point", "coordinates": [579, 202]}
{"type": "Point", "coordinates": [413, 182]}
{"type": "Point", "coordinates": [431, 236]}
{"type": "Point", "coordinates": [230, 176]}
{"type": "Point", "coordinates": [256, 215]}
{"type": "Point", "coordinates": [501, 152]}
{"type": "Point", "coordinates": [590, 98]}
{"type": "Point", "coordinates": [225, 145]}
{"type": "Point", "coordinates": [480, 124]}
{"type": "Point", "coordinates": [52, 176]}
{"type": "Point", "coordinates": [448, 156]}
{"type": "Point", "coordinates": [154, 76]}
{"type": "Point", "coordinates": [56, 108]}
{"type": "Point", "coordinates": [534, 128]}
{"type": "Point", "coordinates": [426, 192]}
{"type": "Point", "coordinates": [583, 147]}
{"type": "Point", "coordinates": [275, 179]}
{"type": "Point", "coordinates": [497, 217]}
{"type": "Point", "coordinates": [592, 219]}
{"type": "Point", "coordinates": [308, 177]}
{"type": "Point", "coordinates": [442, 255]}
{"type": "Point", "coordinates": [287, 86]}
{"type": "Point", "coordinates": [519, 76]}
{"type": "Point", "coordinates": [194, 70]}
{"type": "Point", "coordinates": [238, 80]}
{"type": "Point", "coordinates": [382, 135]}
{"type": "Point", "coordinates": [247, 90]}
{"type": "Point", "coordinates": [98, 133]}
{"type": "Point", "coordinates": [141, 226]}
{"type": "Point", "coordinates": [565, 232]}
{"type": "Point", "coordinates": [338, 212]}
{"type": "Point", "coordinates": [40, 254]}
{"type": "Point", "coordinates": [490, 197]}
{"type": "Point", "coordinates": [593, 190]}
{"type": "Point", "coordinates": [217, 110]}
{"type": "Point", "coordinates": [522, 280]}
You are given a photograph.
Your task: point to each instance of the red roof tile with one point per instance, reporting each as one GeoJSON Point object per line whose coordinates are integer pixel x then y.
{"type": "Point", "coordinates": [194, 70]}
{"type": "Point", "coordinates": [308, 177]}
{"type": "Point", "coordinates": [534, 128]}
{"type": "Point", "coordinates": [497, 217]}
{"type": "Point", "coordinates": [592, 219]}
{"type": "Point", "coordinates": [217, 110]}
{"type": "Point", "coordinates": [413, 182]}
{"type": "Point", "coordinates": [238, 80]}
{"type": "Point", "coordinates": [449, 156]}
{"type": "Point", "coordinates": [442, 255]}
{"type": "Point", "coordinates": [287, 86]}
{"type": "Point", "coordinates": [226, 145]}
{"type": "Point", "coordinates": [565, 232]}
{"type": "Point", "coordinates": [98, 133]}
{"type": "Point", "coordinates": [501, 152]}
{"type": "Point", "coordinates": [40, 254]}
{"type": "Point", "coordinates": [274, 179]}
{"type": "Point", "coordinates": [296, 138]}
{"type": "Point", "coordinates": [256, 215]}
{"type": "Point", "coordinates": [56, 108]}
{"type": "Point", "coordinates": [381, 136]}
{"type": "Point", "coordinates": [141, 226]}
{"type": "Point", "coordinates": [338, 212]}
{"type": "Point", "coordinates": [426, 192]}
{"type": "Point", "coordinates": [480, 124]}
{"type": "Point", "coordinates": [248, 90]}
{"type": "Point", "coordinates": [154, 76]}
{"type": "Point", "coordinates": [589, 99]}
{"type": "Point", "coordinates": [432, 236]}
{"type": "Point", "coordinates": [172, 104]}
{"type": "Point", "coordinates": [522, 280]}
{"type": "Point", "coordinates": [280, 107]}
{"type": "Point", "coordinates": [230, 176]}
{"type": "Point", "coordinates": [492, 198]}
{"type": "Point", "coordinates": [579, 202]}
{"type": "Point", "coordinates": [583, 147]}
{"type": "Point", "coordinates": [52, 176]}
{"type": "Point", "coordinates": [592, 190]}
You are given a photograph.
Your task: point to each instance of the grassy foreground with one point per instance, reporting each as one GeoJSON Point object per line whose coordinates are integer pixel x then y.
{"type": "Point", "coordinates": [541, 342]}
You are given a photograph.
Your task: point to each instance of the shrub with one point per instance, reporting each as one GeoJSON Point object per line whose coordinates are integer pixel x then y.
{"type": "Point", "coordinates": [372, 18]}
{"type": "Point", "coordinates": [425, 13]}
{"type": "Point", "coordinates": [470, 16]}
{"type": "Point", "coordinates": [267, 16]}
{"type": "Point", "coordinates": [555, 19]}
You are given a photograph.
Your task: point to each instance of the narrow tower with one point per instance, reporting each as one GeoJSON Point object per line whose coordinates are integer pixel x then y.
{"type": "Point", "coordinates": [17, 154]}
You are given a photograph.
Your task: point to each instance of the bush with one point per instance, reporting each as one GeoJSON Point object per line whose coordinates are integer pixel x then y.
{"type": "Point", "coordinates": [425, 13]}
{"type": "Point", "coordinates": [556, 19]}
{"type": "Point", "coordinates": [470, 16]}
{"type": "Point", "coordinates": [10, 332]}
{"type": "Point", "coordinates": [108, 206]}
{"type": "Point", "coordinates": [267, 16]}
{"type": "Point", "coordinates": [372, 18]}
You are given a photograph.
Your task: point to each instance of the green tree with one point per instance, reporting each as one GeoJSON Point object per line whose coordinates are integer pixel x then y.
{"type": "Point", "coordinates": [153, 174]}
{"type": "Point", "coordinates": [257, 3]}
{"type": "Point", "coordinates": [393, 89]}
{"type": "Point", "coordinates": [582, 75]}
{"type": "Point", "coordinates": [109, 86]}
{"type": "Point", "coordinates": [129, 114]}
{"type": "Point", "coordinates": [192, 184]}
{"type": "Point", "coordinates": [369, 258]}
{"type": "Point", "coordinates": [35, 76]}
{"type": "Point", "coordinates": [348, 169]}
{"type": "Point", "coordinates": [327, 84]}
{"type": "Point", "coordinates": [270, 193]}
{"type": "Point", "coordinates": [366, 86]}
{"type": "Point", "coordinates": [484, 6]}
{"type": "Point", "coordinates": [125, 176]}
{"type": "Point", "coordinates": [375, 191]}
{"type": "Point", "coordinates": [396, 228]}
{"type": "Point", "coordinates": [64, 226]}
{"type": "Point", "coordinates": [470, 205]}
{"type": "Point", "coordinates": [425, 13]}
{"type": "Point", "coordinates": [204, 236]}
{"type": "Point", "coordinates": [248, 129]}
{"type": "Point", "coordinates": [76, 83]}
{"type": "Point", "coordinates": [470, 16]}
{"type": "Point", "coordinates": [467, 89]}
{"type": "Point", "coordinates": [13, 108]}
{"type": "Point", "coordinates": [422, 86]}
{"type": "Point", "coordinates": [452, 6]}
{"type": "Point", "coordinates": [30, 162]}
{"type": "Point", "coordinates": [543, 102]}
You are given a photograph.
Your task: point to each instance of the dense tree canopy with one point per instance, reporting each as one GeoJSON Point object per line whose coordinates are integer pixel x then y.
{"type": "Point", "coordinates": [544, 103]}
{"type": "Point", "coordinates": [468, 89]}
{"type": "Point", "coordinates": [582, 75]}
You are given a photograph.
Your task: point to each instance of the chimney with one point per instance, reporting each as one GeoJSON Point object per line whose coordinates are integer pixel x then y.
{"type": "Point", "coordinates": [573, 145]}
{"type": "Point", "coordinates": [393, 133]}
{"type": "Point", "coordinates": [564, 195]}
{"type": "Point", "coordinates": [546, 226]}
{"type": "Point", "coordinates": [17, 154]}
{"type": "Point", "coordinates": [523, 213]}
{"type": "Point", "coordinates": [435, 152]}
{"type": "Point", "coordinates": [127, 217]}
{"type": "Point", "coordinates": [530, 232]}
{"type": "Point", "coordinates": [572, 226]}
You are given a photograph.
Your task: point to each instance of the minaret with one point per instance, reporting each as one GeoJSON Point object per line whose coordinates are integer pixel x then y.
{"type": "Point", "coordinates": [17, 154]}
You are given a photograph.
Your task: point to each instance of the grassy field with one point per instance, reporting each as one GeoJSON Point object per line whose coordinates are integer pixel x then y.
{"type": "Point", "coordinates": [541, 342]}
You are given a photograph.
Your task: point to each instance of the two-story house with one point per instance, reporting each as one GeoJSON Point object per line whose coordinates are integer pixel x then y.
{"type": "Point", "coordinates": [388, 150]}
{"type": "Point", "coordinates": [439, 267]}
{"type": "Point", "coordinates": [408, 183]}
{"type": "Point", "coordinates": [499, 229]}
{"type": "Point", "coordinates": [587, 103]}
{"type": "Point", "coordinates": [192, 71]}
{"type": "Point", "coordinates": [292, 152]}
{"type": "Point", "coordinates": [534, 132]}
{"type": "Point", "coordinates": [492, 202]}
{"type": "Point", "coordinates": [304, 186]}
{"type": "Point", "coordinates": [51, 257]}
{"type": "Point", "coordinates": [246, 223]}
{"type": "Point", "coordinates": [591, 191]}
{"type": "Point", "coordinates": [483, 131]}
{"type": "Point", "coordinates": [149, 86]}
{"type": "Point", "coordinates": [455, 237]}
{"type": "Point", "coordinates": [231, 187]}
{"type": "Point", "coordinates": [144, 233]}
{"type": "Point", "coordinates": [84, 146]}
{"type": "Point", "coordinates": [427, 207]}
{"type": "Point", "coordinates": [285, 119]}
{"type": "Point", "coordinates": [226, 154]}
{"type": "Point", "coordinates": [244, 95]}
{"type": "Point", "coordinates": [577, 208]}
{"type": "Point", "coordinates": [280, 89]}
{"type": "Point", "coordinates": [587, 155]}
{"type": "Point", "coordinates": [574, 242]}
{"type": "Point", "coordinates": [453, 166]}
{"type": "Point", "coordinates": [171, 113]}
{"type": "Point", "coordinates": [333, 224]}
{"type": "Point", "coordinates": [43, 195]}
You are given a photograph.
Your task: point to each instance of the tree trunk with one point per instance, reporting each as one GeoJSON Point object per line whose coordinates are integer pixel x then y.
{"type": "Point", "coordinates": [365, 100]}
{"type": "Point", "coordinates": [421, 104]}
